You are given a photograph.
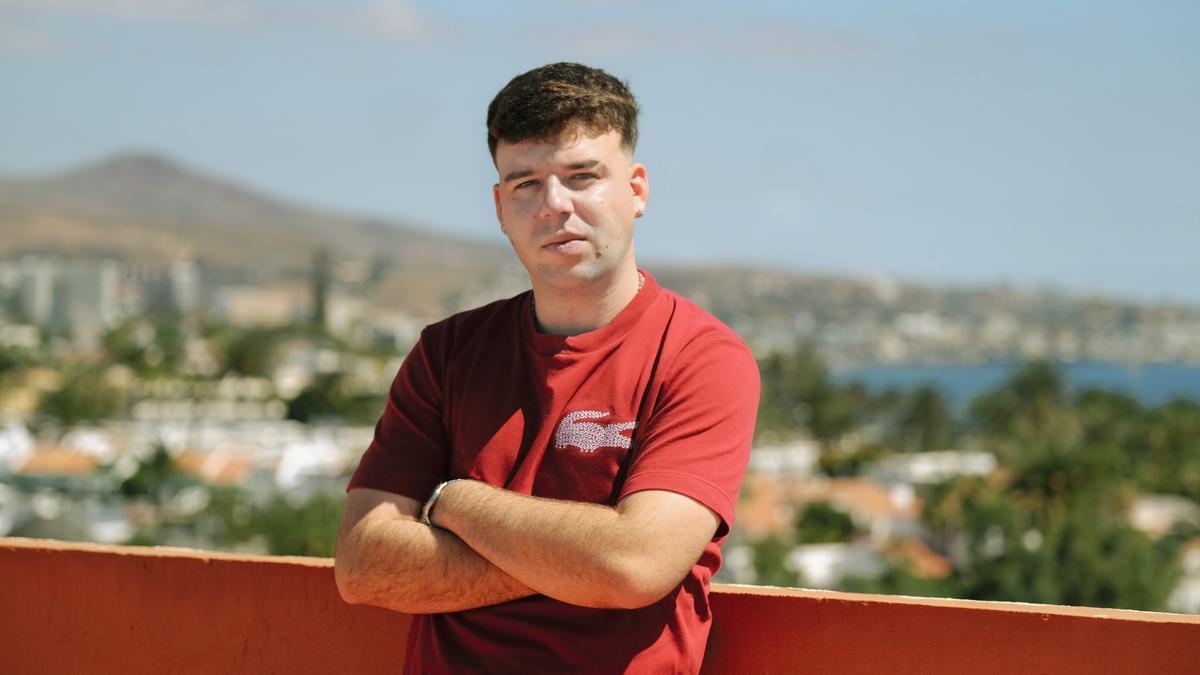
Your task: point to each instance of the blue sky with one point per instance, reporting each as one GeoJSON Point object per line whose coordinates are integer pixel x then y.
{"type": "Point", "coordinates": [1015, 142]}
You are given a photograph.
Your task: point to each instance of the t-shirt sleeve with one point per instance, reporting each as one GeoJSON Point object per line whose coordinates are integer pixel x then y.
{"type": "Point", "coordinates": [409, 454]}
{"type": "Point", "coordinates": [697, 440]}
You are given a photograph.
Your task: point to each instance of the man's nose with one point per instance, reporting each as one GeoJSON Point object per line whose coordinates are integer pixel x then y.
{"type": "Point", "coordinates": [557, 198]}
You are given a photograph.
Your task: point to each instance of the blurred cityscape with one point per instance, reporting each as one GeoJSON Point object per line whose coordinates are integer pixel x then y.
{"type": "Point", "coordinates": [187, 385]}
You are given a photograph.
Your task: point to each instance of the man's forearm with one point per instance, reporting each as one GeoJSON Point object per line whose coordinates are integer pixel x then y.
{"type": "Point", "coordinates": [584, 554]}
{"type": "Point", "coordinates": [403, 565]}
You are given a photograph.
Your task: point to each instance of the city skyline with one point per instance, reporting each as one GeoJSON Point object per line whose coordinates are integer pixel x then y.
{"type": "Point", "coordinates": [1018, 144]}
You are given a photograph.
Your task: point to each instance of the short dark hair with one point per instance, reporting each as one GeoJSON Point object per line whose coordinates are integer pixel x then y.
{"type": "Point", "coordinates": [549, 100]}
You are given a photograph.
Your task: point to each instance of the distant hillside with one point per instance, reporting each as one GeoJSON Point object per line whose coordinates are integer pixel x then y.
{"type": "Point", "coordinates": [145, 208]}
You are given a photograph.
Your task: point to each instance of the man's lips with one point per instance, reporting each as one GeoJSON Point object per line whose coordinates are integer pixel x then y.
{"type": "Point", "coordinates": [565, 241]}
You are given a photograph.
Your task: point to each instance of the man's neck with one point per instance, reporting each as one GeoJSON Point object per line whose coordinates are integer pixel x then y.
{"type": "Point", "coordinates": [571, 311]}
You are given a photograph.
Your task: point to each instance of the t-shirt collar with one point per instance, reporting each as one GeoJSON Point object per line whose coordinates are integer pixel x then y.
{"type": "Point", "coordinates": [593, 339]}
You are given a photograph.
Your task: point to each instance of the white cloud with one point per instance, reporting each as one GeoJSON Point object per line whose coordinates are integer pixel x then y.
{"type": "Point", "coordinates": [135, 10]}
{"type": "Point", "coordinates": [25, 42]}
{"type": "Point", "coordinates": [393, 20]}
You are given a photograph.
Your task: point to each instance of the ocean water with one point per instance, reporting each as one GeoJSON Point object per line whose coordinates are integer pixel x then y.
{"type": "Point", "coordinates": [1151, 383]}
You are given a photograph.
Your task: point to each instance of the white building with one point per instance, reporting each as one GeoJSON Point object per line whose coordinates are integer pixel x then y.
{"type": "Point", "coordinates": [16, 444]}
{"type": "Point", "coordinates": [825, 565]}
{"type": "Point", "coordinates": [185, 286]}
{"type": "Point", "coordinates": [36, 288]}
{"type": "Point", "coordinates": [87, 300]}
{"type": "Point", "coordinates": [798, 458]}
{"type": "Point", "coordinates": [931, 468]}
{"type": "Point", "coordinates": [1156, 515]}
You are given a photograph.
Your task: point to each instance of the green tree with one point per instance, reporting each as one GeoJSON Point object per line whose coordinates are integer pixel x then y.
{"type": "Point", "coordinates": [1100, 561]}
{"type": "Point", "coordinates": [152, 476]}
{"type": "Point", "coordinates": [150, 347]}
{"type": "Point", "coordinates": [322, 278]}
{"type": "Point", "coordinates": [252, 352]}
{"type": "Point", "coordinates": [1108, 416]}
{"type": "Point", "coordinates": [155, 480]}
{"type": "Point", "coordinates": [770, 563]}
{"type": "Point", "coordinates": [798, 394]}
{"type": "Point", "coordinates": [330, 396]}
{"type": "Point", "coordinates": [12, 359]}
{"type": "Point", "coordinates": [84, 395]}
{"type": "Point", "coordinates": [822, 523]}
{"type": "Point", "coordinates": [12, 362]}
{"type": "Point", "coordinates": [306, 529]}
{"type": "Point", "coordinates": [923, 422]}
{"type": "Point", "coordinates": [1166, 449]}
{"type": "Point", "coordinates": [1032, 407]}
{"type": "Point", "coordinates": [898, 580]}
{"type": "Point", "coordinates": [849, 461]}
{"type": "Point", "coordinates": [1081, 553]}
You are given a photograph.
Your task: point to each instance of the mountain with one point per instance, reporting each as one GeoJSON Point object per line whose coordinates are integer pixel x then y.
{"type": "Point", "coordinates": [143, 208]}
{"type": "Point", "coordinates": [149, 209]}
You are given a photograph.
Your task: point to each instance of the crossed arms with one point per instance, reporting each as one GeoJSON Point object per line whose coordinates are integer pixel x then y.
{"type": "Point", "coordinates": [498, 545]}
{"type": "Point", "coordinates": [493, 545]}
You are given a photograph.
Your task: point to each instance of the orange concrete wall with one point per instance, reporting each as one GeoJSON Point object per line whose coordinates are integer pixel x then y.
{"type": "Point", "coordinates": [71, 608]}
{"type": "Point", "coordinates": [793, 631]}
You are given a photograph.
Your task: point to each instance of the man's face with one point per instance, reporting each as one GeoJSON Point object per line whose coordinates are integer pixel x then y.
{"type": "Point", "coordinates": [567, 205]}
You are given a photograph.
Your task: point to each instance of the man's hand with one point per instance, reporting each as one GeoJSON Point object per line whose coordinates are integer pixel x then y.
{"type": "Point", "coordinates": [584, 554]}
{"type": "Point", "coordinates": [388, 558]}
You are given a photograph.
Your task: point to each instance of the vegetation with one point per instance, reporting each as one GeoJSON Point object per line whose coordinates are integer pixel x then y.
{"type": "Point", "coordinates": [770, 563]}
{"type": "Point", "coordinates": [85, 394]}
{"type": "Point", "coordinates": [251, 352]}
{"type": "Point", "coordinates": [230, 517]}
{"type": "Point", "coordinates": [281, 526]}
{"type": "Point", "coordinates": [1050, 525]}
{"type": "Point", "coordinates": [822, 523]}
{"type": "Point", "coordinates": [151, 346]}
{"type": "Point", "coordinates": [330, 397]}
{"type": "Point", "coordinates": [798, 394]}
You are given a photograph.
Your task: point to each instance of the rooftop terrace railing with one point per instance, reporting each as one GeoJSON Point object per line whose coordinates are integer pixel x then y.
{"type": "Point", "coordinates": [72, 608]}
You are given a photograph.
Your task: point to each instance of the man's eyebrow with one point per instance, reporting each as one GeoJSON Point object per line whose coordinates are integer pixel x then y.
{"type": "Point", "coordinates": [589, 164]}
{"type": "Point", "coordinates": [586, 164]}
{"type": "Point", "coordinates": [517, 174]}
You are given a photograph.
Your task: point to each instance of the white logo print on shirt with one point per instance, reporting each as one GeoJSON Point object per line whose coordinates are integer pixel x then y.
{"type": "Point", "coordinates": [588, 436]}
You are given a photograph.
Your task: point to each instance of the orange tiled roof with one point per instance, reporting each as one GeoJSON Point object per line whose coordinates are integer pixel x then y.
{"type": "Point", "coordinates": [233, 471]}
{"type": "Point", "coordinates": [218, 468]}
{"type": "Point", "coordinates": [764, 507]}
{"type": "Point", "coordinates": [922, 560]}
{"type": "Point", "coordinates": [58, 462]}
{"type": "Point", "coordinates": [860, 495]}
{"type": "Point", "coordinates": [190, 461]}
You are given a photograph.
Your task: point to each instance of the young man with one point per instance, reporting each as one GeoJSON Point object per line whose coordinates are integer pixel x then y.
{"type": "Point", "coordinates": [552, 478]}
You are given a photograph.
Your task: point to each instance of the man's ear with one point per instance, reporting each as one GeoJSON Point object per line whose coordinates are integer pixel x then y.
{"type": "Point", "coordinates": [639, 182]}
{"type": "Point", "coordinates": [499, 209]}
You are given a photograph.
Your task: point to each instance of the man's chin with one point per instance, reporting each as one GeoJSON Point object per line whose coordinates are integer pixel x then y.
{"type": "Point", "coordinates": [578, 275]}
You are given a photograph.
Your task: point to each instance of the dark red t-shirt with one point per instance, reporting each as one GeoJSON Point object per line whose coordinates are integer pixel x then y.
{"type": "Point", "coordinates": [662, 398]}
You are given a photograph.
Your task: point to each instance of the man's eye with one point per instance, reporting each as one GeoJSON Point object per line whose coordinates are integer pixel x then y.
{"type": "Point", "coordinates": [525, 184]}
{"type": "Point", "coordinates": [581, 177]}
